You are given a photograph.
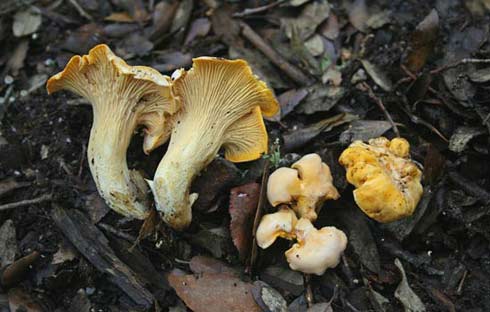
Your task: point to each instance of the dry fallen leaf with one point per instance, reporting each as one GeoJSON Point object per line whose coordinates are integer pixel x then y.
{"type": "Point", "coordinates": [200, 27]}
{"type": "Point", "coordinates": [306, 23]}
{"type": "Point", "coordinates": [411, 302]}
{"type": "Point", "coordinates": [243, 204]}
{"type": "Point", "coordinates": [268, 298]}
{"type": "Point", "coordinates": [21, 300]}
{"type": "Point", "coordinates": [26, 22]}
{"type": "Point", "coordinates": [216, 179]}
{"type": "Point", "coordinates": [204, 264]}
{"type": "Point", "coordinates": [330, 29]}
{"type": "Point", "coordinates": [119, 17]}
{"type": "Point", "coordinates": [214, 292]}
{"type": "Point", "coordinates": [377, 75]}
{"type": "Point", "coordinates": [422, 42]}
{"type": "Point", "coordinates": [289, 100]}
{"type": "Point", "coordinates": [8, 243]}
{"type": "Point", "coordinates": [358, 15]}
{"type": "Point", "coordinates": [16, 60]}
{"type": "Point", "coordinates": [364, 130]}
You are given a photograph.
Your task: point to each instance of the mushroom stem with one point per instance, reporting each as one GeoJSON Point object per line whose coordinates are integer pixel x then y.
{"type": "Point", "coordinates": [186, 157]}
{"type": "Point", "coordinates": [124, 190]}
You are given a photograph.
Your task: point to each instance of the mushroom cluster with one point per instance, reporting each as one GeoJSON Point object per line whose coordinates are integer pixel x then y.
{"type": "Point", "coordinates": [387, 182]}
{"type": "Point", "coordinates": [217, 103]}
{"type": "Point", "coordinates": [304, 187]}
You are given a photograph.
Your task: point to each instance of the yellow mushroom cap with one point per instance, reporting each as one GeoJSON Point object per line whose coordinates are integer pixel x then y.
{"type": "Point", "coordinates": [274, 225]}
{"type": "Point", "coordinates": [222, 104]}
{"type": "Point", "coordinates": [387, 182]}
{"type": "Point", "coordinates": [316, 250]}
{"type": "Point", "coordinates": [307, 185]}
{"type": "Point", "coordinates": [122, 98]}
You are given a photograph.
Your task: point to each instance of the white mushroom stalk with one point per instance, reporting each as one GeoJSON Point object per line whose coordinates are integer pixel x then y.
{"type": "Point", "coordinates": [122, 98]}
{"type": "Point", "coordinates": [222, 105]}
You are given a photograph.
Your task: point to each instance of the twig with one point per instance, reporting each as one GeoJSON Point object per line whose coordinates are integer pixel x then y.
{"type": "Point", "coordinates": [26, 202]}
{"type": "Point", "coordinates": [457, 63]}
{"type": "Point", "coordinates": [10, 185]}
{"type": "Point", "coordinates": [258, 9]}
{"type": "Point", "coordinates": [290, 70]}
{"type": "Point", "coordinates": [80, 10]}
{"type": "Point", "coordinates": [258, 215]}
{"type": "Point", "coordinates": [130, 238]}
{"type": "Point", "coordinates": [82, 159]}
{"type": "Point", "coordinates": [461, 283]}
{"type": "Point", "coordinates": [347, 271]}
{"type": "Point", "coordinates": [365, 87]}
{"type": "Point", "coordinates": [470, 187]}
{"type": "Point", "coordinates": [309, 293]}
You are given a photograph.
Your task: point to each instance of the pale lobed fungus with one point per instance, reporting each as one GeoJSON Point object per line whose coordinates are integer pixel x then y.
{"type": "Point", "coordinates": [274, 225]}
{"type": "Point", "coordinates": [305, 186]}
{"type": "Point", "coordinates": [387, 182]}
{"type": "Point", "coordinates": [122, 98]}
{"type": "Point", "coordinates": [315, 250]}
{"type": "Point", "coordinates": [222, 106]}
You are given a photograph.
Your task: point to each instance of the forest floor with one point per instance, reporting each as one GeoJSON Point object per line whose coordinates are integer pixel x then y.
{"type": "Point", "coordinates": [341, 70]}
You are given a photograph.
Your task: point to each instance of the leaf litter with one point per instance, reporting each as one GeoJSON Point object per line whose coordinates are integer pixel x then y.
{"type": "Point", "coordinates": [315, 55]}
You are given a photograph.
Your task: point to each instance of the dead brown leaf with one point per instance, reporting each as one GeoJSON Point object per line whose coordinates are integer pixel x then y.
{"type": "Point", "coordinates": [218, 176]}
{"type": "Point", "coordinates": [119, 17]}
{"type": "Point", "coordinates": [243, 203]}
{"type": "Point", "coordinates": [204, 264]}
{"type": "Point", "coordinates": [163, 16]}
{"type": "Point", "coordinates": [200, 27]}
{"type": "Point", "coordinates": [16, 60]}
{"type": "Point", "coordinates": [15, 272]}
{"type": "Point", "coordinates": [21, 300]}
{"type": "Point", "coordinates": [289, 100]}
{"type": "Point", "coordinates": [214, 292]}
{"type": "Point", "coordinates": [83, 39]}
{"type": "Point", "coordinates": [306, 23]}
{"type": "Point", "coordinates": [358, 15]}
{"type": "Point", "coordinates": [331, 27]}
{"type": "Point", "coordinates": [422, 42]}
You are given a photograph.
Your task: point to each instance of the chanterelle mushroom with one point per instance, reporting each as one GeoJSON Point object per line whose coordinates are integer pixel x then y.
{"type": "Point", "coordinates": [316, 250]}
{"type": "Point", "coordinates": [387, 182]}
{"type": "Point", "coordinates": [122, 98]}
{"type": "Point", "coordinates": [306, 186]}
{"type": "Point", "coordinates": [222, 105]}
{"type": "Point", "coordinates": [274, 225]}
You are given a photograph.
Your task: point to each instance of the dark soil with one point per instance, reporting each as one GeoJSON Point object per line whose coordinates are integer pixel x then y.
{"type": "Point", "coordinates": [442, 110]}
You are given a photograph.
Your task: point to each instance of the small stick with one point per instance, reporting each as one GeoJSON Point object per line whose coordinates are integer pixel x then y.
{"type": "Point", "coordinates": [457, 63]}
{"type": "Point", "coordinates": [130, 238]}
{"type": "Point", "coordinates": [258, 215]}
{"type": "Point", "coordinates": [290, 70]}
{"type": "Point", "coordinates": [347, 271]}
{"type": "Point", "coordinates": [460, 286]}
{"type": "Point", "coordinates": [365, 87]}
{"type": "Point", "coordinates": [82, 159]}
{"type": "Point", "coordinates": [258, 9]}
{"type": "Point", "coordinates": [309, 292]}
{"type": "Point", "coordinates": [26, 202]}
{"type": "Point", "coordinates": [80, 10]}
